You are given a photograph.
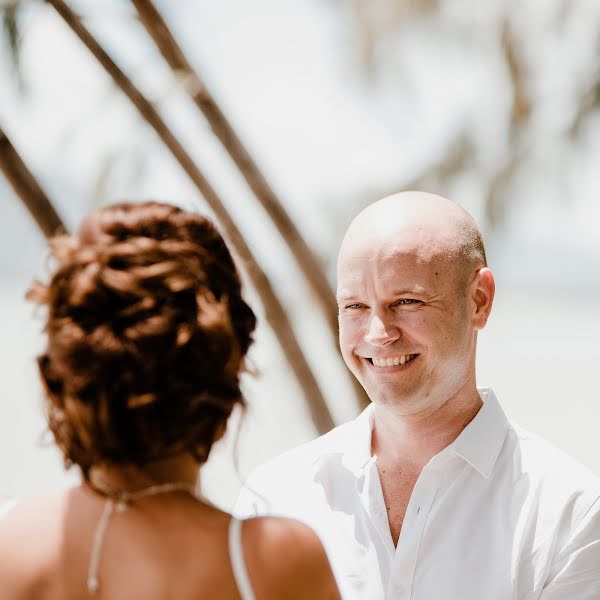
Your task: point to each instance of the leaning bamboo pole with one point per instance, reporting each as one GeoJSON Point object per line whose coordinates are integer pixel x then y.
{"type": "Point", "coordinates": [312, 271]}
{"type": "Point", "coordinates": [274, 312]}
{"type": "Point", "coordinates": [28, 189]}
{"type": "Point", "coordinates": [221, 127]}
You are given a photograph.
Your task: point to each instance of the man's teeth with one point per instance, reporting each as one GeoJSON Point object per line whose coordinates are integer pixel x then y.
{"type": "Point", "coordinates": [393, 362]}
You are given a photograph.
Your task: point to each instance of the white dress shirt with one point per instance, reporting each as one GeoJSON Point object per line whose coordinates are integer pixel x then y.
{"type": "Point", "coordinates": [500, 514]}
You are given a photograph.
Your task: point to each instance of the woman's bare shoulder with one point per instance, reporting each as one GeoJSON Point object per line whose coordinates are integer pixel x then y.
{"type": "Point", "coordinates": [29, 514]}
{"type": "Point", "coordinates": [29, 541]}
{"type": "Point", "coordinates": [285, 558]}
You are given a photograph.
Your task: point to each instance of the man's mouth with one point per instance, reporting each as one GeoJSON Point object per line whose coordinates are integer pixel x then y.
{"type": "Point", "coordinates": [392, 361]}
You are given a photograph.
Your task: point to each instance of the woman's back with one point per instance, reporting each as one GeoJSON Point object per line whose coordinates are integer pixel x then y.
{"type": "Point", "coordinates": [162, 547]}
{"type": "Point", "coordinates": [147, 333]}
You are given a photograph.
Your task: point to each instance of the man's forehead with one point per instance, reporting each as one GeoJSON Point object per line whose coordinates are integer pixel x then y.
{"type": "Point", "coordinates": [404, 264]}
{"type": "Point", "coordinates": [386, 252]}
{"type": "Point", "coordinates": [400, 271]}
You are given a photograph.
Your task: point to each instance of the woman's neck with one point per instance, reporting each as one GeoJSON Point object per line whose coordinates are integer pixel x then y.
{"type": "Point", "coordinates": [181, 469]}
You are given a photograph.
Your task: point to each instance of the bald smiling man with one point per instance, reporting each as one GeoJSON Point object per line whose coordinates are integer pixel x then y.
{"type": "Point", "coordinates": [431, 493]}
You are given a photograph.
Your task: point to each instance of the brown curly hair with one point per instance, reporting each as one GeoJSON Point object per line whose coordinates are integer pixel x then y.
{"type": "Point", "coordinates": [146, 336]}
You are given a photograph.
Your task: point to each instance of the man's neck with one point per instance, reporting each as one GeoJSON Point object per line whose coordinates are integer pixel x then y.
{"type": "Point", "coordinates": [414, 439]}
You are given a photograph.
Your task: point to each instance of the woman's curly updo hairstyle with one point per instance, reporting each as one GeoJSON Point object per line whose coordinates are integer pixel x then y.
{"type": "Point", "coordinates": [147, 332]}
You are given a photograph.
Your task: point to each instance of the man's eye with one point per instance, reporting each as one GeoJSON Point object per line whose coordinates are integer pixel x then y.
{"type": "Point", "coordinates": [354, 305]}
{"type": "Point", "coordinates": [405, 301]}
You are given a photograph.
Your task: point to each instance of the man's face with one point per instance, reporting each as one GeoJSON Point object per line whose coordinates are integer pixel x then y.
{"type": "Point", "coordinates": [406, 331]}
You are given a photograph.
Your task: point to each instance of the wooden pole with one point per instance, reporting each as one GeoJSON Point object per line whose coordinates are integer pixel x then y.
{"type": "Point", "coordinates": [28, 189]}
{"type": "Point", "coordinates": [275, 314]}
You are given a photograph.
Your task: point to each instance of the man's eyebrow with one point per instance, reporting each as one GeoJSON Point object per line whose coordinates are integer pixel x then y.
{"type": "Point", "coordinates": [345, 296]}
{"type": "Point", "coordinates": [417, 289]}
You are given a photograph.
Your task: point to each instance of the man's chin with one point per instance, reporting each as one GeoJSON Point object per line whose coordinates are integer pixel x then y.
{"type": "Point", "coordinates": [399, 399]}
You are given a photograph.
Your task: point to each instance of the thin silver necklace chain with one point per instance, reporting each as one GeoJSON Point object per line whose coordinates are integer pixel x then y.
{"type": "Point", "coordinates": [118, 502]}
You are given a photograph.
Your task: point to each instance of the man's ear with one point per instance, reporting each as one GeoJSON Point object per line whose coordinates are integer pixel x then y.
{"type": "Point", "coordinates": [482, 294]}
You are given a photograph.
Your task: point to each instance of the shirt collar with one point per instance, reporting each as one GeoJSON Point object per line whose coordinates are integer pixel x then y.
{"type": "Point", "coordinates": [481, 440]}
{"type": "Point", "coordinates": [358, 451]}
{"type": "Point", "coordinates": [479, 443]}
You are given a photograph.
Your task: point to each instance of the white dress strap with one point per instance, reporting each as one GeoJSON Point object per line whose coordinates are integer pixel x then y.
{"type": "Point", "coordinates": [236, 555]}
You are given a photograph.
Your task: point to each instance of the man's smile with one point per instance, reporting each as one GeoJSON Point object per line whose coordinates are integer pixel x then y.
{"type": "Point", "coordinates": [390, 361]}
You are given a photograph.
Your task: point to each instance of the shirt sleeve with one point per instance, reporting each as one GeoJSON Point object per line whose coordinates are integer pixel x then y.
{"type": "Point", "coordinates": [575, 570]}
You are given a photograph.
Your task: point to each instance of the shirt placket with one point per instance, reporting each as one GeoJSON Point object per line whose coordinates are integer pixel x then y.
{"type": "Point", "coordinates": [375, 504]}
{"type": "Point", "coordinates": [371, 496]}
{"type": "Point", "coordinates": [405, 558]}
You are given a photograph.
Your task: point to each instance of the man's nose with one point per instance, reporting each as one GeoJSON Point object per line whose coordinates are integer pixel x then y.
{"type": "Point", "coordinates": [381, 332]}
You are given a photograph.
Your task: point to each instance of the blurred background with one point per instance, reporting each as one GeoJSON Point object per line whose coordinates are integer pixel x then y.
{"type": "Point", "coordinates": [495, 105]}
